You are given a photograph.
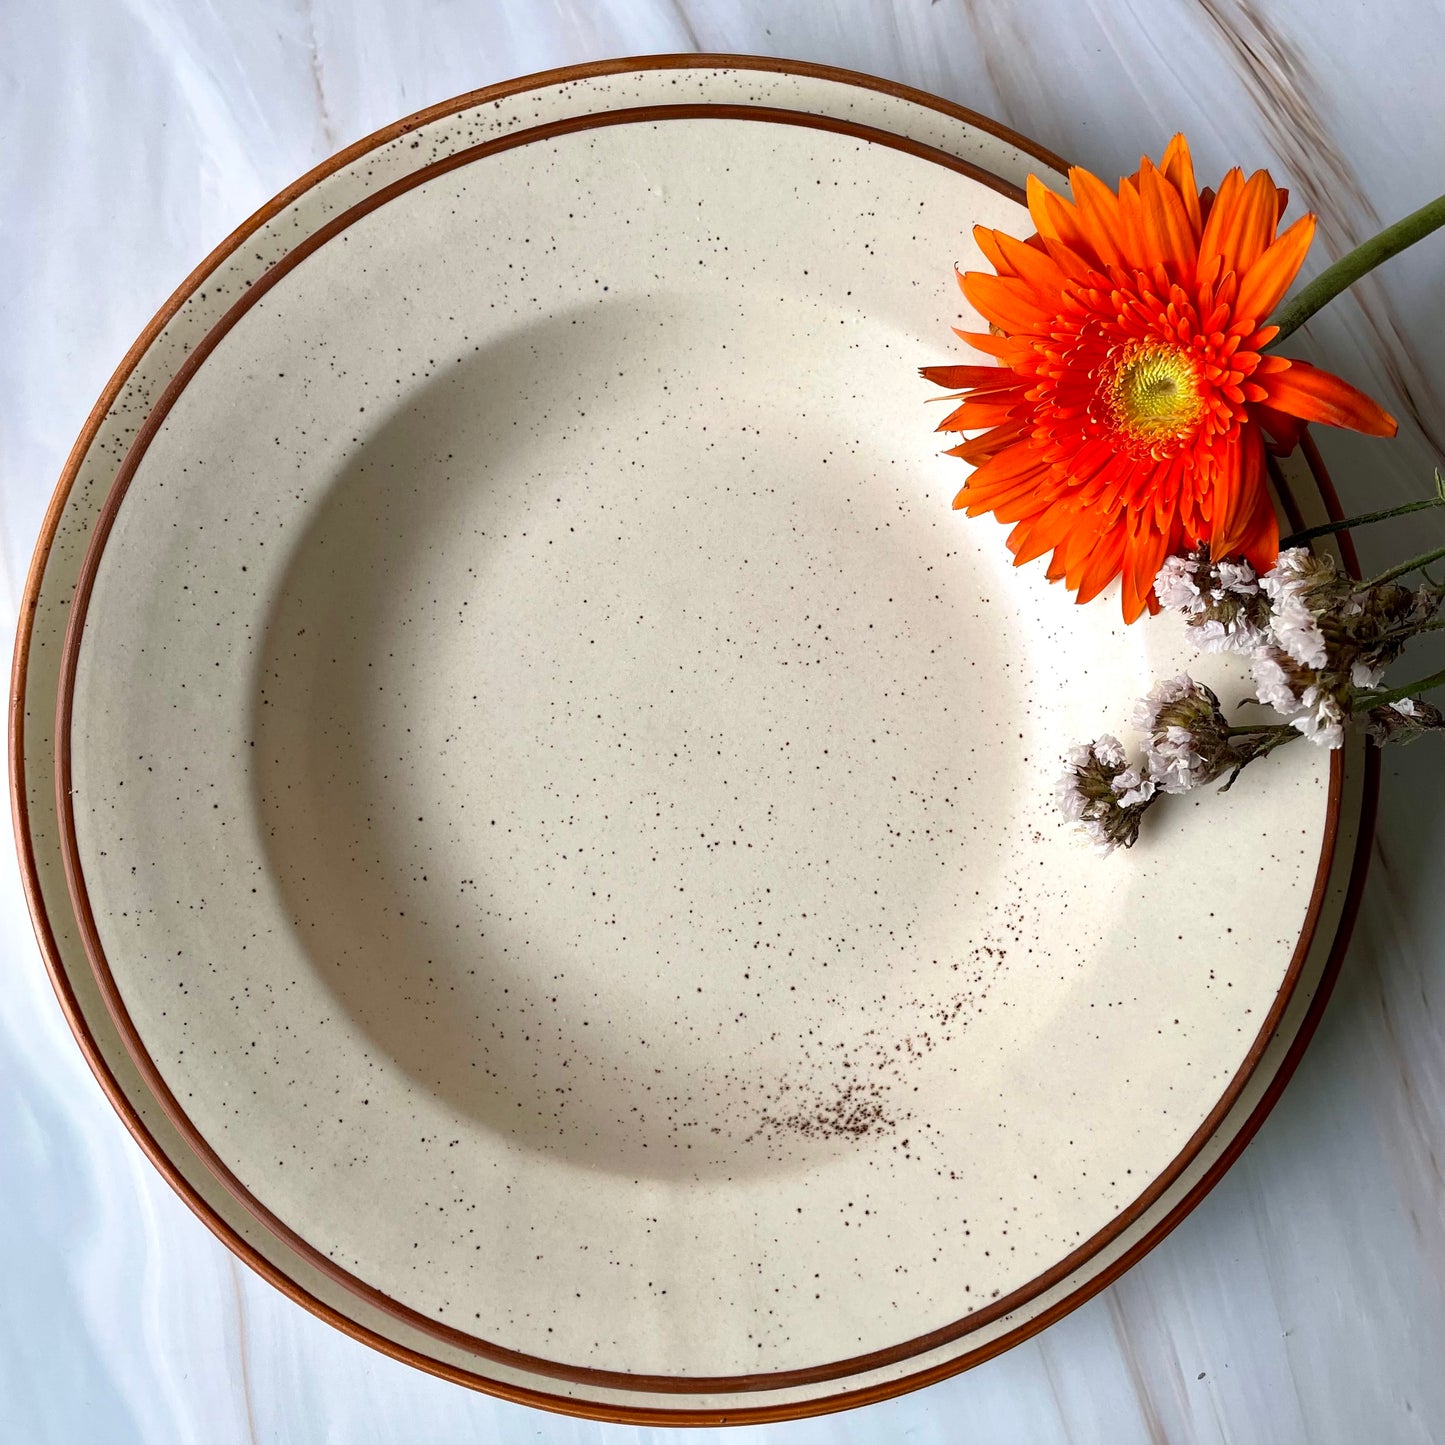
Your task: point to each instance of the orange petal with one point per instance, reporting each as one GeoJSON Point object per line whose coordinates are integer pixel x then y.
{"type": "Point", "coordinates": [1006, 302]}
{"type": "Point", "coordinates": [1040, 533]}
{"type": "Point", "coordinates": [1011, 499]}
{"type": "Point", "coordinates": [1075, 266]}
{"type": "Point", "coordinates": [1011, 484]}
{"type": "Point", "coordinates": [1284, 431]}
{"type": "Point", "coordinates": [1103, 565]}
{"type": "Point", "coordinates": [1314, 395]}
{"type": "Point", "coordinates": [976, 378]}
{"type": "Point", "coordinates": [981, 448]}
{"type": "Point", "coordinates": [1141, 248]}
{"type": "Point", "coordinates": [1178, 169]}
{"type": "Point", "coordinates": [1078, 547]}
{"type": "Point", "coordinates": [988, 242]}
{"type": "Point", "coordinates": [991, 409]}
{"type": "Point", "coordinates": [1143, 556]}
{"type": "Point", "coordinates": [1167, 223]}
{"type": "Point", "coordinates": [1018, 541]}
{"type": "Point", "coordinates": [1220, 503]}
{"type": "Point", "coordinates": [1217, 209]}
{"type": "Point", "coordinates": [1119, 474]}
{"type": "Point", "coordinates": [1058, 222]}
{"type": "Point", "coordinates": [1260, 543]}
{"type": "Point", "coordinates": [1241, 224]}
{"type": "Point", "coordinates": [1037, 195]}
{"type": "Point", "coordinates": [1169, 482]}
{"type": "Point", "coordinates": [986, 342]}
{"type": "Point", "coordinates": [1090, 459]}
{"type": "Point", "coordinates": [1004, 471]}
{"type": "Point", "coordinates": [1008, 502]}
{"type": "Point", "coordinates": [1269, 278]}
{"type": "Point", "coordinates": [1238, 487]}
{"type": "Point", "coordinates": [1030, 264]}
{"type": "Point", "coordinates": [1098, 215]}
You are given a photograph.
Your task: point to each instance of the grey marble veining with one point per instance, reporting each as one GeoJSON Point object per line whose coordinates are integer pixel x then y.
{"type": "Point", "coordinates": [1304, 1301]}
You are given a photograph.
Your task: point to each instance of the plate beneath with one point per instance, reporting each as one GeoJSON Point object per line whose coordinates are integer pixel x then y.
{"type": "Point", "coordinates": [700, 1397]}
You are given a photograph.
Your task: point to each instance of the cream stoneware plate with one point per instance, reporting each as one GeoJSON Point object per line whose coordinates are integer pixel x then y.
{"type": "Point", "coordinates": [561, 803]}
{"type": "Point", "coordinates": [755, 1079]}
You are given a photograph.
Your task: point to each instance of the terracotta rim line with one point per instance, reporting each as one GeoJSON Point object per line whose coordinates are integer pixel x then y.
{"type": "Point", "coordinates": [137, 1127]}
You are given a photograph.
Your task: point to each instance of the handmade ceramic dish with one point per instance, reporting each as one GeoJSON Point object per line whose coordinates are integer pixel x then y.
{"type": "Point", "coordinates": [757, 1112]}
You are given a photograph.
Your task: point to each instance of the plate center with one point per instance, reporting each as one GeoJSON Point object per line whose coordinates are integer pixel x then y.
{"type": "Point", "coordinates": [621, 753]}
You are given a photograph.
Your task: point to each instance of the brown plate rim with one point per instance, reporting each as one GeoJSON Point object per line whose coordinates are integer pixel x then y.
{"type": "Point", "coordinates": [218, 1226]}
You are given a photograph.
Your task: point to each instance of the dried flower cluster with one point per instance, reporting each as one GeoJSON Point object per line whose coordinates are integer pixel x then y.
{"type": "Point", "coordinates": [1222, 605]}
{"type": "Point", "coordinates": [1318, 645]}
{"type": "Point", "coordinates": [1123, 425]}
{"type": "Point", "coordinates": [1103, 795]}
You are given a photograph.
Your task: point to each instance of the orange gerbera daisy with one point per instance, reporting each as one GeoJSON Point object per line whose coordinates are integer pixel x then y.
{"type": "Point", "coordinates": [1125, 420]}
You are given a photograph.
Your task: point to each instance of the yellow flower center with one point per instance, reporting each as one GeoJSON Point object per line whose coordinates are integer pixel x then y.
{"type": "Point", "coordinates": [1154, 393]}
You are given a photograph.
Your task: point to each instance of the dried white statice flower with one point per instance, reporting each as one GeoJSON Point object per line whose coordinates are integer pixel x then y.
{"type": "Point", "coordinates": [1323, 718]}
{"type": "Point", "coordinates": [1378, 623]}
{"type": "Point", "coordinates": [1364, 674]}
{"type": "Point", "coordinates": [1164, 694]}
{"type": "Point", "coordinates": [1303, 590]}
{"type": "Point", "coordinates": [1103, 794]}
{"type": "Point", "coordinates": [1220, 602]}
{"type": "Point", "coordinates": [1132, 787]}
{"type": "Point", "coordinates": [1315, 703]}
{"type": "Point", "coordinates": [1331, 639]}
{"type": "Point", "coordinates": [1339, 629]}
{"type": "Point", "coordinates": [1319, 644]}
{"type": "Point", "coordinates": [1188, 741]}
{"type": "Point", "coordinates": [1279, 681]}
{"type": "Point", "coordinates": [1403, 721]}
{"type": "Point", "coordinates": [1297, 630]}
{"type": "Point", "coordinates": [1177, 587]}
{"type": "Point", "coordinates": [1238, 577]}
{"type": "Point", "coordinates": [1175, 762]}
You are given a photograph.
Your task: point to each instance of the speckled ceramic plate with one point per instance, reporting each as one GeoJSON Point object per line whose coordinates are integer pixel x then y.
{"type": "Point", "coordinates": [873, 1084]}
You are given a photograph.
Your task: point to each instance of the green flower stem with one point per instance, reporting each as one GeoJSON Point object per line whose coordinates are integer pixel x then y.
{"type": "Point", "coordinates": [1325, 529]}
{"type": "Point", "coordinates": [1349, 268]}
{"type": "Point", "coordinates": [1379, 699]}
{"type": "Point", "coordinates": [1277, 729]}
{"type": "Point", "coordinates": [1413, 564]}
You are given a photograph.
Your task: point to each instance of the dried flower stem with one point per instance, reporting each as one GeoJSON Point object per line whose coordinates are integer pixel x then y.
{"type": "Point", "coordinates": [1413, 564]}
{"type": "Point", "coordinates": [1395, 694]}
{"type": "Point", "coordinates": [1326, 529]}
{"type": "Point", "coordinates": [1350, 267]}
{"type": "Point", "coordinates": [1405, 633]}
{"type": "Point", "coordinates": [1278, 729]}
{"type": "Point", "coordinates": [1274, 737]}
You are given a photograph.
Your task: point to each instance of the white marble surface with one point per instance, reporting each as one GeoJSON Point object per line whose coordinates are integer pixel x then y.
{"type": "Point", "coordinates": [1305, 1300]}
